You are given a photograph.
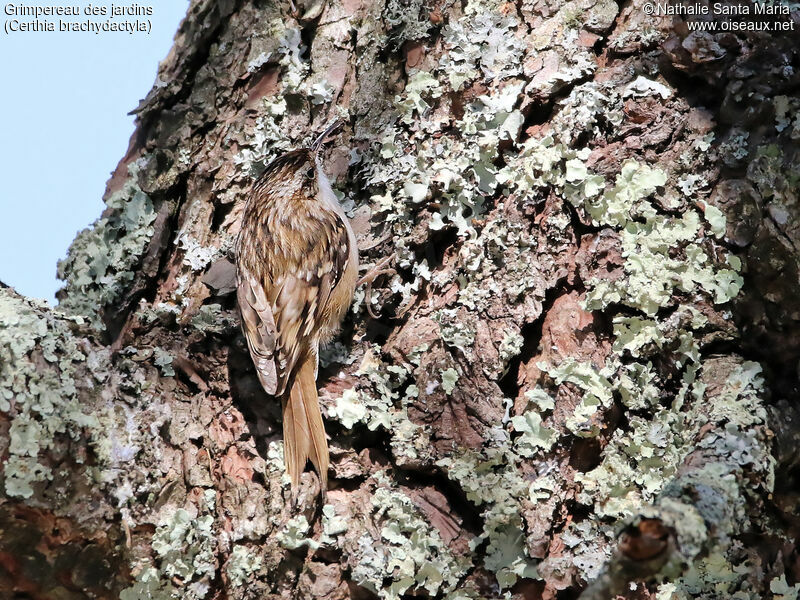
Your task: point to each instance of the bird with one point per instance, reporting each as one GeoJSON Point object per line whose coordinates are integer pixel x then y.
{"type": "Point", "coordinates": [296, 272]}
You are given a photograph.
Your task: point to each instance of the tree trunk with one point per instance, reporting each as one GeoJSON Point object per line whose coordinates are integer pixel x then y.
{"type": "Point", "coordinates": [578, 380]}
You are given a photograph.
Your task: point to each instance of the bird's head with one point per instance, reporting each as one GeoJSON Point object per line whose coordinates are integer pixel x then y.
{"type": "Point", "coordinates": [297, 171]}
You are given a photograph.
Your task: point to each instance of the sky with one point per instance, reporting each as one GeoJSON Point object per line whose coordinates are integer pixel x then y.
{"type": "Point", "coordinates": [64, 126]}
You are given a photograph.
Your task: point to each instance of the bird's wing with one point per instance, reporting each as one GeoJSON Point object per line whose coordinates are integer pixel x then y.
{"type": "Point", "coordinates": [300, 295]}
{"type": "Point", "coordinates": [258, 325]}
{"type": "Point", "coordinates": [337, 254]}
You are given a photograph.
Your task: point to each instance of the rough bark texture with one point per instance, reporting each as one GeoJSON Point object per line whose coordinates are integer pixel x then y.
{"type": "Point", "coordinates": [580, 379]}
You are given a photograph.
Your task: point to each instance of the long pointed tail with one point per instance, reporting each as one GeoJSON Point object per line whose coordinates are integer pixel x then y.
{"type": "Point", "coordinates": [303, 429]}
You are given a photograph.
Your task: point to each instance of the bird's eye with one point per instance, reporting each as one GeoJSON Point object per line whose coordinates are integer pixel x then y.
{"type": "Point", "coordinates": [310, 173]}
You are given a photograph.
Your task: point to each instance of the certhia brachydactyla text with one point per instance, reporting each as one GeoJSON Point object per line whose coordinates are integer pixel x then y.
{"type": "Point", "coordinates": [296, 270]}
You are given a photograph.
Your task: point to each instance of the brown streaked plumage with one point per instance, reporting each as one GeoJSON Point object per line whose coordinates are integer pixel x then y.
{"type": "Point", "coordinates": [297, 264]}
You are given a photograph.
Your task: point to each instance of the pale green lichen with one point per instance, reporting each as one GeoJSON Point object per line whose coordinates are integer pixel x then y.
{"type": "Point", "coordinates": [510, 346]}
{"type": "Point", "coordinates": [449, 380]}
{"type": "Point", "coordinates": [294, 534]}
{"type": "Point", "coordinates": [775, 176]}
{"type": "Point", "coordinates": [786, 115]}
{"type": "Point", "coordinates": [626, 200]}
{"type": "Point", "coordinates": [482, 44]}
{"type": "Point", "coordinates": [651, 449]}
{"type": "Point", "coordinates": [184, 560]}
{"type": "Point", "coordinates": [642, 86]}
{"type": "Point", "coordinates": [262, 142]}
{"type": "Point", "coordinates": [635, 466]}
{"type": "Point", "coordinates": [540, 398]}
{"type": "Point", "coordinates": [374, 409]}
{"type": "Point", "coordinates": [41, 400]}
{"type": "Point", "coordinates": [101, 261]}
{"type": "Point", "coordinates": [276, 466]}
{"type": "Point", "coordinates": [716, 220]}
{"type": "Point", "coordinates": [662, 253]}
{"type": "Point", "coordinates": [411, 554]}
{"type": "Point", "coordinates": [335, 352]}
{"type": "Point", "coordinates": [196, 255]}
{"type": "Point", "coordinates": [635, 334]}
{"type": "Point", "coordinates": [461, 168]}
{"type": "Point", "coordinates": [349, 409]}
{"type": "Point", "coordinates": [666, 259]}
{"type": "Point", "coordinates": [420, 86]}
{"type": "Point", "coordinates": [242, 564]}
{"type": "Point", "coordinates": [163, 360]}
{"type": "Point", "coordinates": [406, 20]}
{"type": "Point", "coordinates": [21, 473]}
{"type": "Point", "coordinates": [735, 147]}
{"type": "Point", "coordinates": [454, 332]}
{"type": "Point", "coordinates": [496, 263]}
{"type": "Point", "coordinates": [639, 336]}
{"type": "Point", "coordinates": [535, 436]}
{"type": "Point", "coordinates": [505, 557]}
{"type": "Point", "coordinates": [332, 525]}
{"type": "Point", "coordinates": [407, 172]}
{"type": "Point", "coordinates": [184, 545]}
{"type": "Point", "coordinates": [691, 184]}
{"type": "Point", "coordinates": [321, 92]}
{"type": "Point", "coordinates": [210, 318]}
{"type": "Point", "coordinates": [706, 504]}
{"type": "Point", "coordinates": [596, 106]}
{"type": "Point", "coordinates": [148, 585]}
{"type": "Point", "coordinates": [597, 392]}
{"type": "Point", "coordinates": [782, 590]}
{"type": "Point", "coordinates": [491, 480]}
{"type": "Point", "coordinates": [636, 386]}
{"type": "Point", "coordinates": [653, 272]}
{"type": "Point", "coordinates": [379, 404]}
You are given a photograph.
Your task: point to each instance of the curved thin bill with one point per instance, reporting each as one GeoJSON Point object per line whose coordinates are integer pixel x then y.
{"type": "Point", "coordinates": [325, 134]}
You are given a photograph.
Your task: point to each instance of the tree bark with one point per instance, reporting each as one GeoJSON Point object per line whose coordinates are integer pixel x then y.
{"type": "Point", "coordinates": [579, 379]}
